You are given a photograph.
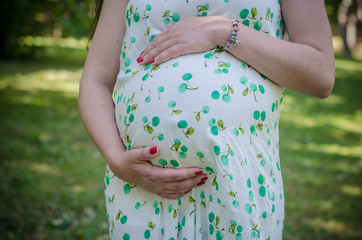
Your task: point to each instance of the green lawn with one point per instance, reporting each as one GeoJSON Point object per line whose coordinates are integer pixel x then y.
{"type": "Point", "coordinates": [51, 175]}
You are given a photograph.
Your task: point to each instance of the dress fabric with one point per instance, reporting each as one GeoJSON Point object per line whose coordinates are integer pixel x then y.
{"type": "Point", "coordinates": [206, 110]}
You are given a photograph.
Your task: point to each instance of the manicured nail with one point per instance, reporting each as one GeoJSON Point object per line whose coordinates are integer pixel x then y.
{"type": "Point", "coordinates": [199, 172]}
{"type": "Point", "coordinates": [200, 183]}
{"type": "Point", "coordinates": [152, 61]}
{"type": "Point", "coordinates": [153, 150]}
{"type": "Point", "coordinates": [140, 59]}
{"type": "Point", "coordinates": [204, 179]}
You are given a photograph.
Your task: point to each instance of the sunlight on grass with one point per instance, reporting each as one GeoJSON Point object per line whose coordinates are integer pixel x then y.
{"type": "Point", "coordinates": [321, 157]}
{"type": "Point", "coordinates": [334, 100]}
{"type": "Point", "coordinates": [301, 120]}
{"type": "Point", "coordinates": [350, 123]}
{"type": "Point", "coordinates": [53, 42]}
{"type": "Point", "coordinates": [352, 190]}
{"type": "Point", "coordinates": [44, 169]}
{"type": "Point", "coordinates": [337, 149]}
{"type": "Point", "coordinates": [331, 225]}
{"type": "Point", "coordinates": [348, 65]}
{"type": "Point", "coordinates": [53, 172]}
{"type": "Point", "coordinates": [347, 123]}
{"type": "Point", "coordinates": [50, 80]}
{"type": "Point", "coordinates": [77, 189]}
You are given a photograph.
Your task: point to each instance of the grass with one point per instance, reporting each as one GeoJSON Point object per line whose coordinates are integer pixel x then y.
{"type": "Point", "coordinates": [321, 158]}
{"type": "Point", "coordinates": [51, 175]}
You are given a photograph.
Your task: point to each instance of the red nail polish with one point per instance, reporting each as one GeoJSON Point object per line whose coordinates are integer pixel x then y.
{"type": "Point", "coordinates": [142, 52]}
{"type": "Point", "coordinates": [153, 150]}
{"type": "Point", "coordinates": [204, 179]}
{"type": "Point", "coordinates": [200, 183]}
{"type": "Point", "coordinates": [199, 172]}
{"type": "Point", "coordinates": [139, 59]}
{"type": "Point", "coordinates": [152, 61]}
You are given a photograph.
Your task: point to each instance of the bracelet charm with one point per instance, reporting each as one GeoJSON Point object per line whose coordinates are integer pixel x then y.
{"type": "Point", "coordinates": [233, 41]}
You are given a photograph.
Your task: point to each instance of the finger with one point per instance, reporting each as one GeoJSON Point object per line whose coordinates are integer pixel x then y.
{"type": "Point", "coordinates": [174, 174]}
{"type": "Point", "coordinates": [157, 41]}
{"type": "Point", "coordinates": [143, 154]}
{"type": "Point", "coordinates": [183, 185]}
{"type": "Point", "coordinates": [171, 195]}
{"type": "Point", "coordinates": [158, 49]}
{"type": "Point", "coordinates": [172, 52]}
{"type": "Point", "coordinates": [155, 181]}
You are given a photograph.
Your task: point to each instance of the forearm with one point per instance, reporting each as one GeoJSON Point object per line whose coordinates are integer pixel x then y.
{"type": "Point", "coordinates": [97, 113]}
{"type": "Point", "coordinates": [98, 79]}
{"type": "Point", "coordinates": [306, 62]}
{"type": "Point", "coordinates": [300, 67]}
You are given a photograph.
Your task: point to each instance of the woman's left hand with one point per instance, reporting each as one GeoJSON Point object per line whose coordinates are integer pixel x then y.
{"type": "Point", "coordinates": [191, 35]}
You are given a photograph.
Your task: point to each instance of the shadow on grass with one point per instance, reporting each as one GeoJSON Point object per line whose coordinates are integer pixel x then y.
{"type": "Point", "coordinates": [321, 160]}
{"type": "Point", "coordinates": [54, 58]}
{"type": "Point", "coordinates": [51, 174]}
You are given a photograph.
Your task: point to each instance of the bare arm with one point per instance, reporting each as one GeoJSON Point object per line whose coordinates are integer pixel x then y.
{"type": "Point", "coordinates": [98, 79]}
{"type": "Point", "coordinates": [305, 64]}
{"type": "Point", "coordinates": [97, 112]}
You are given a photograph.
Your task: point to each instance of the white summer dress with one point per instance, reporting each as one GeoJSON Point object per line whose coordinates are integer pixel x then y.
{"type": "Point", "coordinates": [206, 110]}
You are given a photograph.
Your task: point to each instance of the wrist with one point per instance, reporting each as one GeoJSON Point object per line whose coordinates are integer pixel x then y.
{"type": "Point", "coordinates": [113, 156]}
{"type": "Point", "coordinates": [116, 160]}
{"type": "Point", "coordinates": [223, 31]}
{"type": "Point", "coordinates": [232, 39]}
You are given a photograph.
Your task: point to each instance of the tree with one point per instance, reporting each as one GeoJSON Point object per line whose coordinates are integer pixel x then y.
{"type": "Point", "coordinates": [55, 18]}
{"type": "Point", "coordinates": [349, 13]}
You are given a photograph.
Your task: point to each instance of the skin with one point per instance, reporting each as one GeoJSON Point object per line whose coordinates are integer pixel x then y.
{"type": "Point", "coordinates": [305, 64]}
{"type": "Point", "coordinates": [97, 113]}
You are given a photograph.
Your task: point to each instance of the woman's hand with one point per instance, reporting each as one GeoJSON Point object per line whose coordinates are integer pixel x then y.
{"type": "Point", "coordinates": [97, 113]}
{"type": "Point", "coordinates": [192, 35]}
{"type": "Point", "coordinates": [134, 167]}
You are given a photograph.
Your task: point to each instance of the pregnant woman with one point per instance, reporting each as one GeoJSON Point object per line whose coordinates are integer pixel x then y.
{"type": "Point", "coordinates": [183, 97]}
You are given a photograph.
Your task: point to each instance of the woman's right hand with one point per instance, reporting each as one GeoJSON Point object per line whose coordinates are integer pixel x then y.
{"type": "Point", "coordinates": [97, 113]}
{"type": "Point", "coordinates": [134, 167]}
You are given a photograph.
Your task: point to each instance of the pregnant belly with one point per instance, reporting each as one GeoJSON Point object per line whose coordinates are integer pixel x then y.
{"type": "Point", "coordinates": [194, 108]}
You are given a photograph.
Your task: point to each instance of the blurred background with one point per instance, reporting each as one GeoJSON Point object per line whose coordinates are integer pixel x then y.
{"type": "Point", "coordinates": [51, 174]}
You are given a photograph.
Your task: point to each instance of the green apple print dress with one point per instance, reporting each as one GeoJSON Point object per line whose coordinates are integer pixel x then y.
{"type": "Point", "coordinates": [207, 110]}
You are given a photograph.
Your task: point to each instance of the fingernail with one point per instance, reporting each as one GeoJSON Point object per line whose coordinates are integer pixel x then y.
{"type": "Point", "coordinates": [140, 59]}
{"type": "Point", "coordinates": [200, 183]}
{"type": "Point", "coordinates": [142, 52]}
{"type": "Point", "coordinates": [199, 172]}
{"type": "Point", "coordinates": [188, 191]}
{"type": "Point", "coordinates": [153, 150]}
{"type": "Point", "coordinates": [152, 61]}
{"type": "Point", "coordinates": [204, 179]}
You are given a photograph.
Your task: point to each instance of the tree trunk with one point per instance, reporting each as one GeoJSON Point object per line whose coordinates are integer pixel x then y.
{"type": "Point", "coordinates": [349, 12]}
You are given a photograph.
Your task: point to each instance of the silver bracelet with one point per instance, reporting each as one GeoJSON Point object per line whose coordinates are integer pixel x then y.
{"type": "Point", "coordinates": [233, 41]}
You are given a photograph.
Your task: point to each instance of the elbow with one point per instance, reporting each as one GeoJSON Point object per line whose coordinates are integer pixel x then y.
{"type": "Point", "coordinates": [326, 85]}
{"type": "Point", "coordinates": [325, 78]}
{"type": "Point", "coordinates": [324, 75]}
{"type": "Point", "coordinates": [324, 94]}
